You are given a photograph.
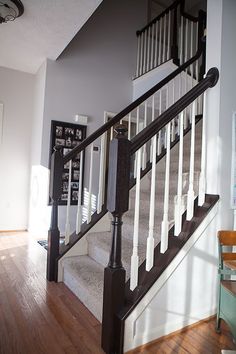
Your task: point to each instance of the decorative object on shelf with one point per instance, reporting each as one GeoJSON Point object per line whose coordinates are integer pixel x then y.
{"type": "Point", "coordinates": [68, 136]}
{"type": "Point", "coordinates": [10, 10]}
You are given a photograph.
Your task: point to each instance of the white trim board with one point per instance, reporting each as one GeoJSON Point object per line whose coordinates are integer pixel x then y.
{"type": "Point", "coordinates": [130, 323]}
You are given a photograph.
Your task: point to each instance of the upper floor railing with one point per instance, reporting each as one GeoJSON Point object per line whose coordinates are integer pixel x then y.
{"type": "Point", "coordinates": [171, 35]}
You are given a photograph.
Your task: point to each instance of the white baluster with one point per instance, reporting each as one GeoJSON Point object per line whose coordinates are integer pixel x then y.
{"type": "Point", "coordinates": [186, 40]}
{"type": "Point", "coordinates": [68, 229]}
{"type": "Point", "coordinates": [160, 44]}
{"type": "Point", "coordinates": [145, 52]}
{"type": "Point", "coordinates": [173, 121]}
{"type": "Point", "coordinates": [159, 146]}
{"type": "Point", "coordinates": [190, 197]}
{"type": "Point", "coordinates": [179, 197]}
{"type": "Point", "coordinates": [144, 149]}
{"type": "Point", "coordinates": [165, 221]}
{"type": "Point", "coordinates": [138, 57]}
{"type": "Point", "coordinates": [79, 207]}
{"type": "Point", "coordinates": [202, 178]}
{"type": "Point", "coordinates": [141, 55]}
{"type": "Point", "coordinates": [102, 167]}
{"type": "Point", "coordinates": [164, 41]}
{"type": "Point", "coordinates": [135, 258]}
{"type": "Point", "coordinates": [137, 131]}
{"type": "Point", "coordinates": [129, 126]}
{"type": "Point", "coordinates": [156, 45]}
{"type": "Point", "coordinates": [152, 48]}
{"type": "Point", "coordinates": [148, 48]}
{"type": "Point", "coordinates": [111, 133]}
{"type": "Point", "coordinates": [168, 45]}
{"type": "Point", "coordinates": [89, 211]}
{"type": "Point", "coordinates": [150, 239]}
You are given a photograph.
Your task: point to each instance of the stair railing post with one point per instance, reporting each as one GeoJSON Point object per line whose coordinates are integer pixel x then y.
{"type": "Point", "coordinates": [174, 48]}
{"type": "Point", "coordinates": [114, 274]}
{"type": "Point", "coordinates": [55, 190]}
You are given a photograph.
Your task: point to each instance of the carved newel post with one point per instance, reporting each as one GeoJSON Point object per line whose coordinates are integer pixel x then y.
{"type": "Point", "coordinates": [114, 275]}
{"type": "Point", "coordinates": [55, 194]}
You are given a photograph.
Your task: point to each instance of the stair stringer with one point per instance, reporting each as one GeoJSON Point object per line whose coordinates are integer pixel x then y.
{"type": "Point", "coordinates": [139, 327]}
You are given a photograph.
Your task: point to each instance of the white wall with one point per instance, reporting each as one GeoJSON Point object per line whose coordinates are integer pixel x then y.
{"type": "Point", "coordinates": [221, 52]}
{"type": "Point", "coordinates": [16, 94]}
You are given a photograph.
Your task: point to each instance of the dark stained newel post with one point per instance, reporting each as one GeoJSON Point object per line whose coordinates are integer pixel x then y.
{"type": "Point", "coordinates": [114, 274]}
{"type": "Point", "coordinates": [55, 194]}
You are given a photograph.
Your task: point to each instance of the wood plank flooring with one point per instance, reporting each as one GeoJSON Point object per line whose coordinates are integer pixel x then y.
{"type": "Point", "coordinates": [38, 317]}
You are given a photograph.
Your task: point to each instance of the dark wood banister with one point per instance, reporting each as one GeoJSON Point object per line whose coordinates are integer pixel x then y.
{"type": "Point", "coordinates": [154, 127]}
{"type": "Point", "coordinates": [140, 100]}
{"type": "Point", "coordinates": [157, 18]}
{"type": "Point", "coordinates": [166, 11]}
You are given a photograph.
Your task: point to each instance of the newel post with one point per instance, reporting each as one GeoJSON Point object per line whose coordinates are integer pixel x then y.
{"type": "Point", "coordinates": [114, 274]}
{"type": "Point", "coordinates": [54, 193]}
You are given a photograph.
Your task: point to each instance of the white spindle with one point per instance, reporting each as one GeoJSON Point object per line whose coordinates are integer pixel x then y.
{"type": "Point", "coordinates": [144, 149]}
{"type": "Point", "coordinates": [179, 197]}
{"type": "Point", "coordinates": [111, 133]}
{"type": "Point", "coordinates": [138, 57]}
{"type": "Point", "coordinates": [173, 121]}
{"type": "Point", "coordinates": [135, 258]}
{"type": "Point", "coordinates": [145, 52]}
{"type": "Point", "coordinates": [150, 239]}
{"type": "Point", "coordinates": [156, 45]}
{"type": "Point", "coordinates": [89, 211]}
{"type": "Point", "coordinates": [168, 45]}
{"type": "Point", "coordinates": [152, 48]}
{"type": "Point", "coordinates": [160, 44]}
{"type": "Point", "coordinates": [159, 146]}
{"type": "Point", "coordinates": [129, 126]}
{"type": "Point", "coordinates": [101, 174]}
{"type": "Point", "coordinates": [202, 179]}
{"type": "Point", "coordinates": [165, 221]}
{"type": "Point", "coordinates": [164, 41]}
{"type": "Point", "coordinates": [186, 40]}
{"type": "Point", "coordinates": [181, 40]}
{"type": "Point", "coordinates": [190, 197]}
{"type": "Point", "coordinates": [79, 207]}
{"type": "Point", "coordinates": [137, 131]}
{"type": "Point", "coordinates": [148, 48]}
{"type": "Point", "coordinates": [141, 55]}
{"type": "Point", "coordinates": [68, 229]}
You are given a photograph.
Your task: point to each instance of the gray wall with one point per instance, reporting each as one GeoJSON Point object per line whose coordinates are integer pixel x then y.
{"type": "Point", "coordinates": [16, 94]}
{"type": "Point", "coordinates": [93, 75]}
{"type": "Point", "coordinates": [95, 71]}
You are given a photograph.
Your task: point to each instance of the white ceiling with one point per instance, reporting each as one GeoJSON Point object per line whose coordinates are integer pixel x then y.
{"type": "Point", "coordinates": [43, 31]}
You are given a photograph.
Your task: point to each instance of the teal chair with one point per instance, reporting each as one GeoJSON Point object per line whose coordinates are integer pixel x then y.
{"type": "Point", "coordinates": [227, 287]}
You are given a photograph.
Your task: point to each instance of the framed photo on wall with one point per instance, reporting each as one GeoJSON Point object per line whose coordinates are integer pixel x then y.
{"type": "Point", "coordinates": [68, 136]}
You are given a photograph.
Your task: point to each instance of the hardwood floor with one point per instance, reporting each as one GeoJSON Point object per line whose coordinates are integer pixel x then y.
{"type": "Point", "coordinates": [38, 317]}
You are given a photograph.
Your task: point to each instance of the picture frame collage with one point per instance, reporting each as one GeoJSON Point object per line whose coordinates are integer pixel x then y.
{"type": "Point", "coordinates": [68, 136]}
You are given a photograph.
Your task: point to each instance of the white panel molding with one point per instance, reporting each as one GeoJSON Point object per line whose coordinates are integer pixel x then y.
{"type": "Point", "coordinates": [129, 332]}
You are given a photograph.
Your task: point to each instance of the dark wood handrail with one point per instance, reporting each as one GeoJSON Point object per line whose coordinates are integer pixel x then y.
{"type": "Point", "coordinates": [130, 108]}
{"type": "Point", "coordinates": [153, 128]}
{"type": "Point", "coordinates": [157, 18]}
{"type": "Point", "coordinates": [105, 127]}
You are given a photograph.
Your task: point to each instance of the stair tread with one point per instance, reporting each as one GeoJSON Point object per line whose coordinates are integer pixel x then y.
{"type": "Point", "coordinates": [84, 276]}
{"type": "Point", "coordinates": [100, 246]}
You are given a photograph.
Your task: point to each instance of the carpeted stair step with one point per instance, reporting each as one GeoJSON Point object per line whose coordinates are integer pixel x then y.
{"type": "Point", "coordinates": [84, 277]}
{"type": "Point", "coordinates": [99, 246]}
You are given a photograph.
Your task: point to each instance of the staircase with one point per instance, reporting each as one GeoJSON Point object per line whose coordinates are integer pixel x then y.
{"type": "Point", "coordinates": [84, 274]}
{"type": "Point", "coordinates": [156, 168]}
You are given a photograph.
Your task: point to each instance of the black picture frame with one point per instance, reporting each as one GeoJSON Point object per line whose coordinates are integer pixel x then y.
{"type": "Point", "coordinates": [68, 135]}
